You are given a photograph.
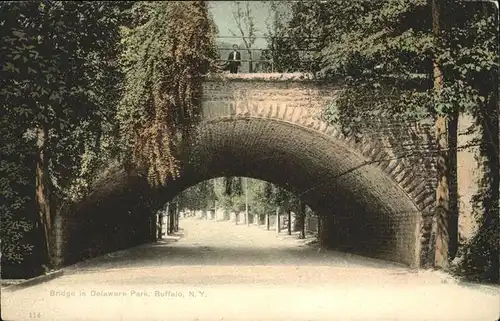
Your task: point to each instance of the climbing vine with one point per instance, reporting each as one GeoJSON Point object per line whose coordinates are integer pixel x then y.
{"type": "Point", "coordinates": [165, 54]}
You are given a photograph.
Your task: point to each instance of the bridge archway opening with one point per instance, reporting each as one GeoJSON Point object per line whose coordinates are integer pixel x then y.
{"type": "Point", "coordinates": [362, 209]}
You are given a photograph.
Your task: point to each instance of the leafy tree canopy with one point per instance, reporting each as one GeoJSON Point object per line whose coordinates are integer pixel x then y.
{"type": "Point", "coordinates": [59, 76]}
{"type": "Point", "coordinates": [384, 50]}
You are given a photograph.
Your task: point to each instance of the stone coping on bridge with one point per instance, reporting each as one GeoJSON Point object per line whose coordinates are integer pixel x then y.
{"type": "Point", "coordinates": [297, 76]}
{"type": "Point", "coordinates": [264, 76]}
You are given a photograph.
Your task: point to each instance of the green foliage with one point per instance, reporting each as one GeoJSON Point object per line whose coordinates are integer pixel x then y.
{"type": "Point", "coordinates": [232, 194]}
{"type": "Point", "coordinates": [165, 54]}
{"type": "Point", "coordinates": [291, 38]}
{"type": "Point", "coordinates": [16, 186]}
{"type": "Point", "coordinates": [198, 197]}
{"type": "Point", "coordinates": [384, 52]}
{"type": "Point", "coordinates": [269, 196]}
{"type": "Point", "coordinates": [233, 186]}
{"type": "Point", "coordinates": [58, 72]}
{"type": "Point", "coordinates": [464, 52]}
{"type": "Point", "coordinates": [478, 259]}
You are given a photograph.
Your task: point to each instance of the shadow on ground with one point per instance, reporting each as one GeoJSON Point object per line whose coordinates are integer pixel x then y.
{"type": "Point", "coordinates": [169, 252]}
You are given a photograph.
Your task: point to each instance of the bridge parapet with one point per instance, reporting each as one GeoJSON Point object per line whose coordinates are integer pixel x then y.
{"type": "Point", "coordinates": [267, 95]}
{"type": "Point", "coordinates": [295, 76]}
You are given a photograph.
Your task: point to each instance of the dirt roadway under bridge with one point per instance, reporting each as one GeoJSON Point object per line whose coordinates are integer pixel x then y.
{"type": "Point", "coordinates": [219, 271]}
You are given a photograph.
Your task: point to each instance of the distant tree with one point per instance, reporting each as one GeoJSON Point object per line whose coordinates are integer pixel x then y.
{"type": "Point", "coordinates": [198, 197]}
{"type": "Point", "coordinates": [246, 28]}
{"type": "Point", "coordinates": [295, 36]}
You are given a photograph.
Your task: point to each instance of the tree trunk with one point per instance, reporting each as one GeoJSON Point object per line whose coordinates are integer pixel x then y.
{"type": "Point", "coordinates": [289, 222]}
{"type": "Point", "coordinates": [302, 220]}
{"type": "Point", "coordinates": [267, 221]}
{"type": "Point", "coordinates": [318, 226]}
{"type": "Point", "coordinates": [278, 227]}
{"type": "Point", "coordinates": [215, 199]}
{"type": "Point", "coordinates": [168, 219]}
{"type": "Point", "coordinates": [160, 225]}
{"type": "Point", "coordinates": [152, 229]}
{"type": "Point", "coordinates": [171, 218]}
{"type": "Point", "coordinates": [176, 228]}
{"type": "Point", "coordinates": [453, 185]}
{"type": "Point", "coordinates": [442, 188]}
{"type": "Point", "coordinates": [43, 190]}
{"type": "Point", "coordinates": [246, 202]}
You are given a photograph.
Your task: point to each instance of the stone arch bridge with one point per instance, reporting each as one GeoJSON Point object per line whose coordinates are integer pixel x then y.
{"type": "Point", "coordinates": [374, 196]}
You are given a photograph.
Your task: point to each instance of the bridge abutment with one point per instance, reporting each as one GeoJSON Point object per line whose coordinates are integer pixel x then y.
{"type": "Point", "coordinates": [103, 224]}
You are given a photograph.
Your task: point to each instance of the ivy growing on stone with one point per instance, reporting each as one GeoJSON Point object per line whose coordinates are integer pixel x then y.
{"type": "Point", "coordinates": [170, 46]}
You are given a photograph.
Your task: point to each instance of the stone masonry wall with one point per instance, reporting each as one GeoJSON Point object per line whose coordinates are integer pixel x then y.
{"type": "Point", "coordinates": [404, 152]}
{"type": "Point", "coordinates": [105, 222]}
{"type": "Point", "coordinates": [376, 195]}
